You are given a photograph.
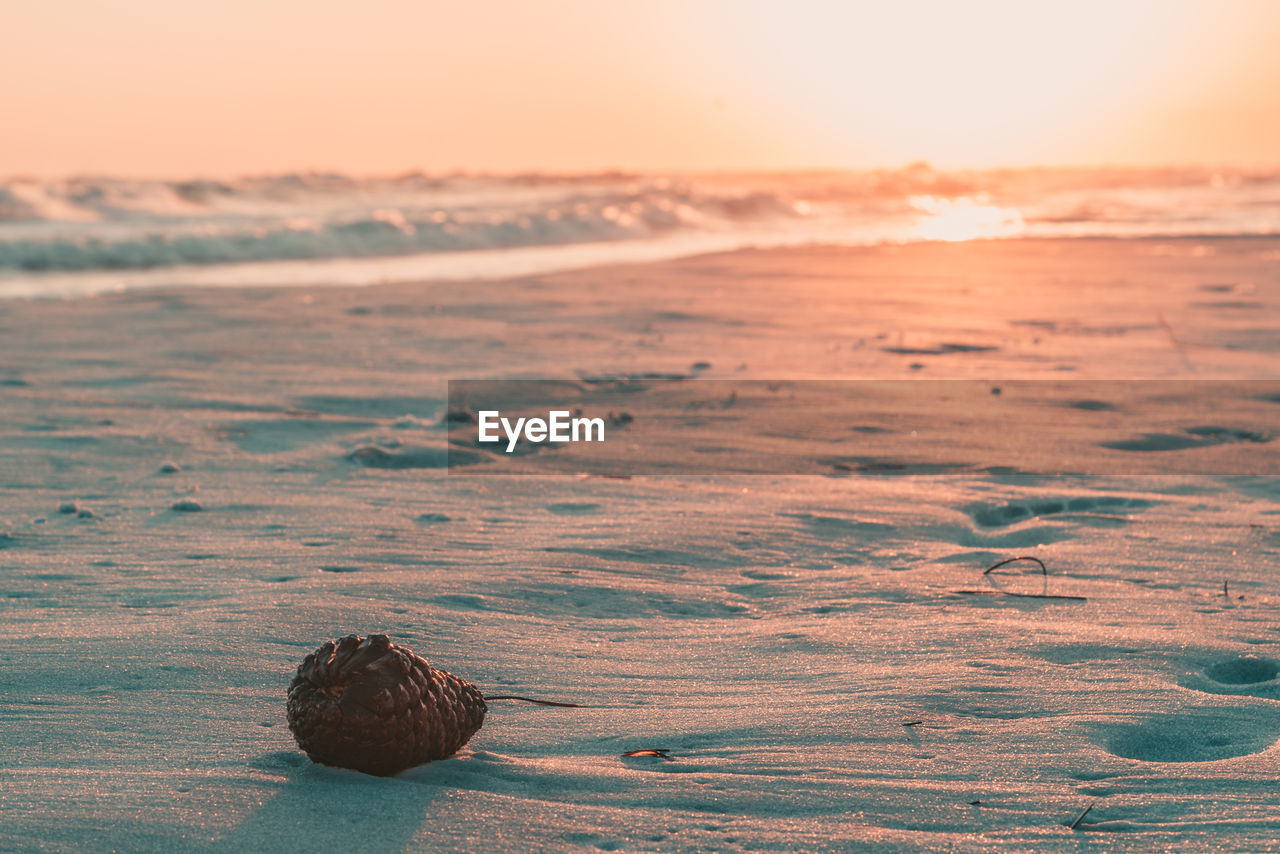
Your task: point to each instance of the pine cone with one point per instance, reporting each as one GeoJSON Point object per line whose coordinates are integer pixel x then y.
{"type": "Point", "coordinates": [376, 707]}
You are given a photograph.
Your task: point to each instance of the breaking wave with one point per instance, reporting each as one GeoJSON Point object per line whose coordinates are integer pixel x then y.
{"type": "Point", "coordinates": [52, 229]}
{"type": "Point", "coordinates": [122, 225]}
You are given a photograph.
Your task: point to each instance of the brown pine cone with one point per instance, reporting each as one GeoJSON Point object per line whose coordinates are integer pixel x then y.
{"type": "Point", "coordinates": [376, 707]}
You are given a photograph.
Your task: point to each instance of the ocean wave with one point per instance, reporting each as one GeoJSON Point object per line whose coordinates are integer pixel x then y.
{"type": "Point", "coordinates": [130, 225]}
{"type": "Point", "coordinates": [109, 224]}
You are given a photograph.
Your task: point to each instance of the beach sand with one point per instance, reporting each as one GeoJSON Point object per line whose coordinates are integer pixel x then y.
{"type": "Point", "coordinates": [181, 522]}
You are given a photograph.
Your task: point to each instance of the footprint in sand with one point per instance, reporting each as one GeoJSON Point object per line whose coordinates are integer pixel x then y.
{"type": "Point", "coordinates": [279, 435]}
{"type": "Point", "coordinates": [1003, 515]}
{"type": "Point", "coordinates": [573, 508]}
{"type": "Point", "coordinates": [1192, 437]}
{"type": "Point", "coordinates": [1244, 675]}
{"type": "Point", "coordinates": [1195, 734]}
{"type": "Point", "coordinates": [1091, 405]}
{"type": "Point", "coordinates": [376, 457]}
{"type": "Point", "coordinates": [940, 350]}
{"type": "Point", "coordinates": [1246, 670]}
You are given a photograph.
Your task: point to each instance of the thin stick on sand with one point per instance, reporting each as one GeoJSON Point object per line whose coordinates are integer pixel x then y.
{"type": "Point", "coordinates": [531, 700]}
{"type": "Point", "coordinates": [1043, 571]}
{"type": "Point", "coordinates": [1075, 824]}
{"type": "Point", "coordinates": [660, 752]}
{"type": "Point", "coordinates": [1022, 595]}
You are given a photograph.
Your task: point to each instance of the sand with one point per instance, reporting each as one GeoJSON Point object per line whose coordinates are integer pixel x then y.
{"type": "Point", "coordinates": [181, 522]}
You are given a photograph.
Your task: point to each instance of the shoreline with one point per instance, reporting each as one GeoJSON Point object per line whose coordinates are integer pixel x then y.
{"type": "Point", "coordinates": [484, 265]}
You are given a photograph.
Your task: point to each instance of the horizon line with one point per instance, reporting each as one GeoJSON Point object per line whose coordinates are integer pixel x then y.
{"type": "Point", "coordinates": [624, 171]}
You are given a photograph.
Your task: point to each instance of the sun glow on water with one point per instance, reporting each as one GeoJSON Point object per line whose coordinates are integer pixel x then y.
{"type": "Point", "coordinates": [964, 218]}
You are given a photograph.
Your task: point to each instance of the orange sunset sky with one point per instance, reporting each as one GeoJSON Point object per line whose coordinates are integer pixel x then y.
{"type": "Point", "coordinates": [164, 88]}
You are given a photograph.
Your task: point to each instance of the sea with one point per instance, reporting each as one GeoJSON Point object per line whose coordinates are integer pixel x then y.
{"type": "Point", "coordinates": [80, 236]}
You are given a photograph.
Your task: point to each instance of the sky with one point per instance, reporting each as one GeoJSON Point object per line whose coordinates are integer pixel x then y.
{"type": "Point", "coordinates": [154, 88]}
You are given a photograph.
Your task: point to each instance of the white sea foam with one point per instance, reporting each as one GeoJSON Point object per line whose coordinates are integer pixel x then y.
{"type": "Point", "coordinates": [87, 235]}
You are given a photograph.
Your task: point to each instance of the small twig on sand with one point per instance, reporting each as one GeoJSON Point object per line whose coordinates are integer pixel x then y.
{"type": "Point", "coordinates": [1046, 596]}
{"type": "Point", "coordinates": [1044, 571]}
{"type": "Point", "coordinates": [660, 752]}
{"type": "Point", "coordinates": [1075, 824]}
{"type": "Point", "coordinates": [1021, 595]}
{"type": "Point", "coordinates": [530, 700]}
